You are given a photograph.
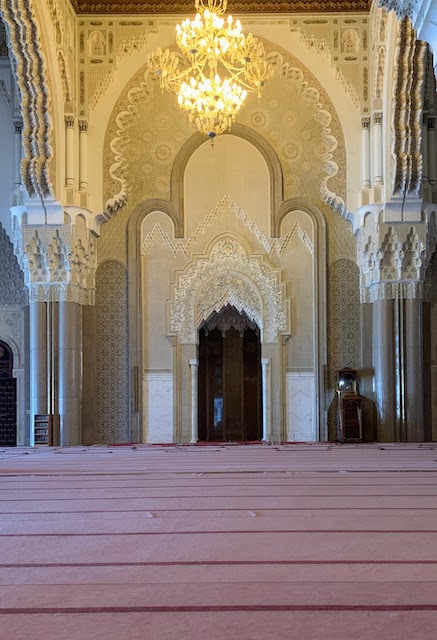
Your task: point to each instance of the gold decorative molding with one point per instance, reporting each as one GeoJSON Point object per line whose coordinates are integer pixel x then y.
{"type": "Point", "coordinates": [24, 43]}
{"type": "Point", "coordinates": [237, 6]}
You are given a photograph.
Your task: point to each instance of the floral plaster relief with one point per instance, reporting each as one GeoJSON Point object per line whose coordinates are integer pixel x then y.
{"type": "Point", "coordinates": [295, 116]}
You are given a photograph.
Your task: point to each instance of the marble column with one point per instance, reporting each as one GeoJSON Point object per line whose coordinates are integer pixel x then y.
{"type": "Point", "coordinates": [384, 363]}
{"type": "Point", "coordinates": [69, 151]}
{"type": "Point", "coordinates": [377, 149]}
{"type": "Point", "coordinates": [38, 363]}
{"type": "Point", "coordinates": [432, 160]}
{"type": "Point", "coordinates": [265, 362]}
{"type": "Point", "coordinates": [365, 153]}
{"type": "Point", "coordinates": [425, 151]}
{"type": "Point", "coordinates": [70, 373]}
{"type": "Point", "coordinates": [83, 155]}
{"type": "Point", "coordinates": [414, 384]}
{"type": "Point", "coordinates": [194, 366]}
{"type": "Point", "coordinates": [18, 153]}
{"type": "Point", "coordinates": [89, 325]}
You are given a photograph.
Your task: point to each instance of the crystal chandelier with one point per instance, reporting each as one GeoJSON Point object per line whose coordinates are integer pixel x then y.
{"type": "Point", "coordinates": [220, 66]}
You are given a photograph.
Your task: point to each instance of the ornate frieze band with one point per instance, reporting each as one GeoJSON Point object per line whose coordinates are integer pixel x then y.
{"type": "Point", "coordinates": [238, 6]}
{"type": "Point", "coordinates": [404, 290]}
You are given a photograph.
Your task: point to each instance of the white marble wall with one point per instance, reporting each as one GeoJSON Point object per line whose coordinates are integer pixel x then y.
{"type": "Point", "coordinates": [301, 407]}
{"type": "Point", "coordinates": [158, 406]}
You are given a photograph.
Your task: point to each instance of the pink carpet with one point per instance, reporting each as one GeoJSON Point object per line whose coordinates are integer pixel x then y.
{"type": "Point", "coordinates": [293, 542]}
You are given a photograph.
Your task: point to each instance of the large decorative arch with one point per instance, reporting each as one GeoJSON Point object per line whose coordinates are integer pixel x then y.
{"type": "Point", "coordinates": [228, 276]}
{"type": "Point", "coordinates": [123, 143]}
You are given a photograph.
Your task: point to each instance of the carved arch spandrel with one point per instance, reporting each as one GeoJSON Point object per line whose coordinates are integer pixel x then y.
{"type": "Point", "coordinates": [126, 116]}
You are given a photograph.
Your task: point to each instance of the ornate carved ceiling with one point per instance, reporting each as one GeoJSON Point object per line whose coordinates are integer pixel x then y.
{"type": "Point", "coordinates": [235, 6]}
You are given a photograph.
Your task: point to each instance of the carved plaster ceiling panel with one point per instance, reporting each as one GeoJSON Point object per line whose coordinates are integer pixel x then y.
{"type": "Point", "coordinates": [236, 6]}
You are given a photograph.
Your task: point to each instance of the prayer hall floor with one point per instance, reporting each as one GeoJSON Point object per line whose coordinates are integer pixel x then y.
{"type": "Point", "coordinates": [291, 542]}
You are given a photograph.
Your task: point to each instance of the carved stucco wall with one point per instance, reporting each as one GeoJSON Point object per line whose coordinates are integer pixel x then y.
{"type": "Point", "coordinates": [145, 134]}
{"type": "Point", "coordinates": [146, 131]}
{"type": "Point", "coordinates": [12, 288]}
{"type": "Point", "coordinates": [344, 329]}
{"type": "Point", "coordinates": [112, 370]}
{"type": "Point", "coordinates": [184, 280]}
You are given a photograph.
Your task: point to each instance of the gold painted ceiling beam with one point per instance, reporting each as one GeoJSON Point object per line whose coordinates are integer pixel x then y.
{"type": "Point", "coordinates": [235, 6]}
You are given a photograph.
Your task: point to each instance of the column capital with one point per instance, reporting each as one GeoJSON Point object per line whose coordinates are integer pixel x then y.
{"type": "Point", "coordinates": [394, 258]}
{"type": "Point", "coordinates": [18, 125]}
{"type": "Point", "coordinates": [58, 260]}
{"type": "Point", "coordinates": [69, 120]}
{"type": "Point", "coordinates": [365, 122]}
{"type": "Point", "coordinates": [377, 117]}
{"type": "Point", "coordinates": [83, 125]}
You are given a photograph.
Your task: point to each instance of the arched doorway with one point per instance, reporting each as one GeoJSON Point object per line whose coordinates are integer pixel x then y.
{"type": "Point", "coordinates": [230, 394]}
{"type": "Point", "coordinates": [8, 398]}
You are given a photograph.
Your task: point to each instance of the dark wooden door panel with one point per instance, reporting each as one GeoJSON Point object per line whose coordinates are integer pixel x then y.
{"type": "Point", "coordinates": [230, 398]}
{"type": "Point", "coordinates": [233, 385]}
{"type": "Point", "coordinates": [252, 386]}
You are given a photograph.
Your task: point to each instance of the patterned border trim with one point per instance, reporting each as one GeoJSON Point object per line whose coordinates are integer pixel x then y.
{"type": "Point", "coordinates": [237, 6]}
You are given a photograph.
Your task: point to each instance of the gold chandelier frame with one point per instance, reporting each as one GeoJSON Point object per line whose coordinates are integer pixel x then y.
{"type": "Point", "coordinates": [219, 66]}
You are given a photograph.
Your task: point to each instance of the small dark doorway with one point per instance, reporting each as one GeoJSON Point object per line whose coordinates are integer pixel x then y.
{"type": "Point", "coordinates": [230, 398]}
{"type": "Point", "coordinates": [8, 398]}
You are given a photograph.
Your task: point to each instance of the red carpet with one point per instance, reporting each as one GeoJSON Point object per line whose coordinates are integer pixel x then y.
{"type": "Point", "coordinates": [184, 543]}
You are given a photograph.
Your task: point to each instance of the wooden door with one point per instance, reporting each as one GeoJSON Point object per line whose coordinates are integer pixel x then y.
{"type": "Point", "coordinates": [230, 406]}
{"type": "Point", "coordinates": [8, 398]}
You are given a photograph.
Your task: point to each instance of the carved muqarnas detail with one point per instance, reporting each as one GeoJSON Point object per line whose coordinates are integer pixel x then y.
{"type": "Point", "coordinates": [397, 267]}
{"type": "Point", "coordinates": [228, 277]}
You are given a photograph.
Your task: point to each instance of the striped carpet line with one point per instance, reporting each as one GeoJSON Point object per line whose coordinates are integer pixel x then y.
{"type": "Point", "coordinates": [261, 509]}
{"type": "Point", "coordinates": [217, 609]}
{"type": "Point", "coordinates": [210, 563]}
{"type": "Point", "coordinates": [217, 532]}
{"type": "Point", "coordinates": [226, 497]}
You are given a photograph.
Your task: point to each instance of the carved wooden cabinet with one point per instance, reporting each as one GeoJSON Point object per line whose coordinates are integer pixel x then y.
{"type": "Point", "coordinates": [350, 407]}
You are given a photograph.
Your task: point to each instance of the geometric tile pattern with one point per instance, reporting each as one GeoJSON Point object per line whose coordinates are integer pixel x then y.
{"type": "Point", "coordinates": [112, 365]}
{"type": "Point", "coordinates": [344, 328]}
